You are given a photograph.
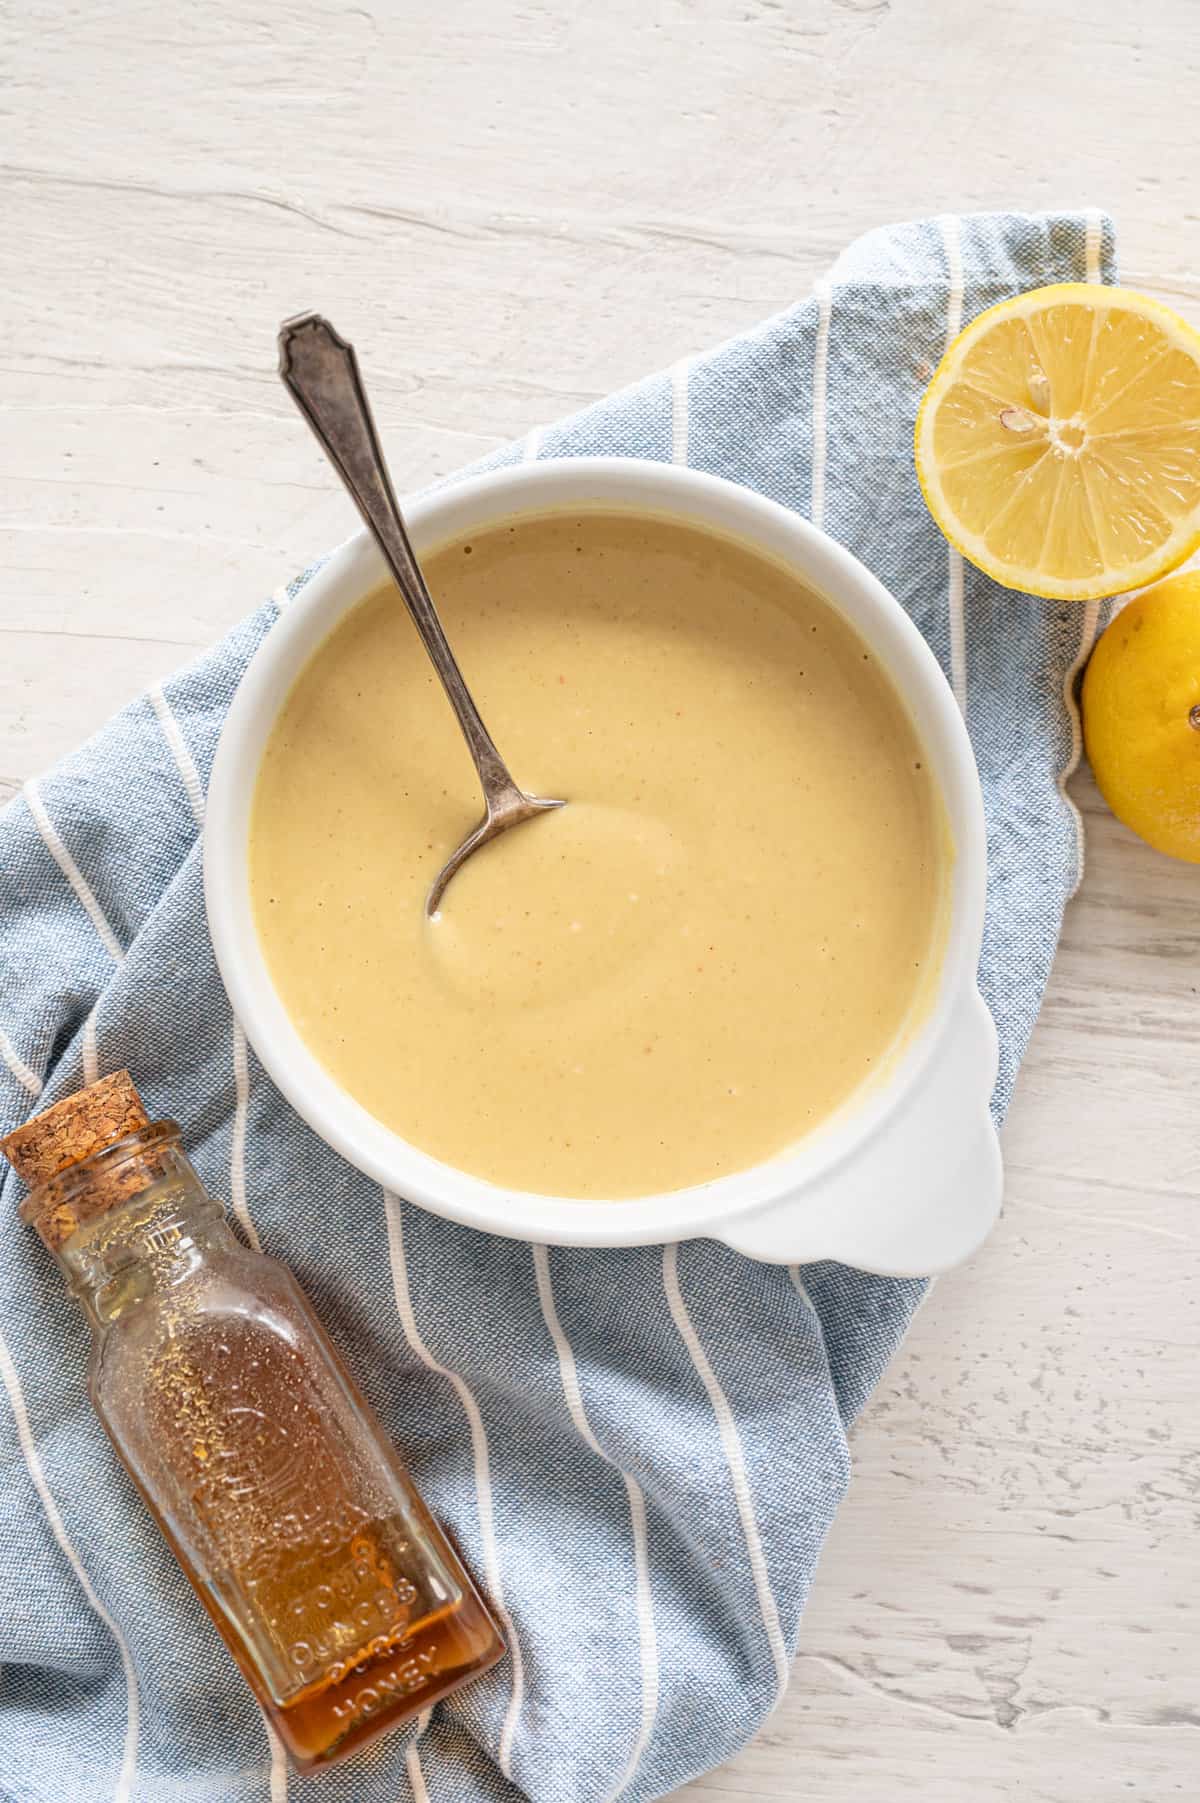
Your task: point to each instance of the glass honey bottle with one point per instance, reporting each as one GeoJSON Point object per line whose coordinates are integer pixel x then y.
{"type": "Point", "coordinates": [337, 1594]}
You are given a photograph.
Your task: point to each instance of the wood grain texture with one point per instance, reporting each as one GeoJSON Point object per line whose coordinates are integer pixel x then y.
{"type": "Point", "coordinates": [514, 208]}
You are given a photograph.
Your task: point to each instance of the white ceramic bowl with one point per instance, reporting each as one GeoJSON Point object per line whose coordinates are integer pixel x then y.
{"type": "Point", "coordinates": [905, 1178]}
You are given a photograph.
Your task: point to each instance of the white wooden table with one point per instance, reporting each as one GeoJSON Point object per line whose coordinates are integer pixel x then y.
{"type": "Point", "coordinates": [514, 210]}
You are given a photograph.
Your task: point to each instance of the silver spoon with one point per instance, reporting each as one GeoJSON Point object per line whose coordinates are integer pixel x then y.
{"type": "Point", "coordinates": [320, 371]}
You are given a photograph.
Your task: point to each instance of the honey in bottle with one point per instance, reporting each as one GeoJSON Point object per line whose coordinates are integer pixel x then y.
{"type": "Point", "coordinates": [336, 1592]}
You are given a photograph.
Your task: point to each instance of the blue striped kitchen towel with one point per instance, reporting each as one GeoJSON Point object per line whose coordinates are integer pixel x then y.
{"type": "Point", "coordinates": [640, 1452]}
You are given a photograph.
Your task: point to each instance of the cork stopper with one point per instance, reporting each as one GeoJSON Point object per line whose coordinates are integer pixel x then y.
{"type": "Point", "coordinates": [75, 1128]}
{"type": "Point", "coordinates": [87, 1154]}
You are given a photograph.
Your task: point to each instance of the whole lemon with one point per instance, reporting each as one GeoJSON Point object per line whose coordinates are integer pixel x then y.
{"type": "Point", "coordinates": [1141, 716]}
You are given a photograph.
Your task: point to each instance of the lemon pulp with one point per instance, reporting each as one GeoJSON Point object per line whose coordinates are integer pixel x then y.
{"type": "Point", "coordinates": [1058, 443]}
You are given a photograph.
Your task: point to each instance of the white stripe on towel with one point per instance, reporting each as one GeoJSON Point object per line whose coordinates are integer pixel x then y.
{"type": "Point", "coordinates": [12, 1384]}
{"type": "Point", "coordinates": [1091, 616]}
{"type": "Point", "coordinates": [71, 871]}
{"type": "Point", "coordinates": [1094, 228]}
{"type": "Point", "coordinates": [820, 401]}
{"type": "Point", "coordinates": [798, 1286]}
{"type": "Point", "coordinates": [735, 1459]}
{"type": "Point", "coordinates": [952, 242]}
{"type": "Point", "coordinates": [532, 446]}
{"type": "Point", "coordinates": [412, 1760]}
{"type": "Point", "coordinates": [680, 382]}
{"type": "Point", "coordinates": [90, 1048]}
{"type": "Point", "coordinates": [958, 649]}
{"type": "Point", "coordinates": [185, 763]}
{"type": "Point", "coordinates": [25, 1077]}
{"type": "Point", "coordinates": [483, 1477]}
{"type": "Point", "coordinates": [237, 1144]}
{"type": "Point", "coordinates": [647, 1635]}
{"type": "Point", "coordinates": [279, 1770]}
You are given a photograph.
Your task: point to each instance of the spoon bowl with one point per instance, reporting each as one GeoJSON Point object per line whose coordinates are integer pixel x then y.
{"type": "Point", "coordinates": [505, 808]}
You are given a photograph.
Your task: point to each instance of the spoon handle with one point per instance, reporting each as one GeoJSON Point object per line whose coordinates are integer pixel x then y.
{"type": "Point", "coordinates": [320, 371]}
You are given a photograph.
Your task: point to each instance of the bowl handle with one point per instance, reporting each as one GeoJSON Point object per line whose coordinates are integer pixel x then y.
{"type": "Point", "coordinates": [922, 1193]}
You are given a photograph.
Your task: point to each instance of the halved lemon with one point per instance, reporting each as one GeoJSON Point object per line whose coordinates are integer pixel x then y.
{"type": "Point", "coordinates": [1058, 443]}
{"type": "Point", "coordinates": [1141, 715]}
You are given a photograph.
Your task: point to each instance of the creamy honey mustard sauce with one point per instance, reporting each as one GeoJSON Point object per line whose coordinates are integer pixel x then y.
{"type": "Point", "coordinates": [729, 927]}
